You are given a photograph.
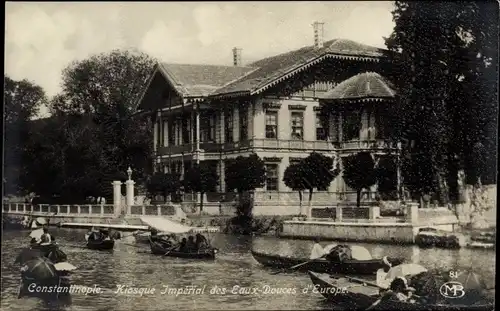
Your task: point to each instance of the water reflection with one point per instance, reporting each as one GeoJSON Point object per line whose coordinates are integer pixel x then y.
{"type": "Point", "coordinates": [132, 266]}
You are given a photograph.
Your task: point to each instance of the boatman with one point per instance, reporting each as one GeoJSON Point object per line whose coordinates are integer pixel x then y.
{"type": "Point", "coordinates": [45, 238]}
{"type": "Point", "coordinates": [317, 250]}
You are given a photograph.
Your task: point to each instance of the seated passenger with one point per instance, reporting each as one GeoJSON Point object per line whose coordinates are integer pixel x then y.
{"type": "Point", "coordinates": [398, 291]}
{"type": "Point", "coordinates": [182, 245]}
{"type": "Point", "coordinates": [190, 244]}
{"type": "Point", "coordinates": [201, 242]}
{"type": "Point", "coordinates": [339, 253]}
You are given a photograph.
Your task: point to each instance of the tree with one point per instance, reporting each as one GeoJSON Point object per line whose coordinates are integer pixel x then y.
{"type": "Point", "coordinates": [294, 178]}
{"type": "Point", "coordinates": [359, 173]}
{"type": "Point", "coordinates": [22, 100]}
{"type": "Point", "coordinates": [107, 88]}
{"type": "Point", "coordinates": [386, 173]}
{"type": "Point", "coordinates": [318, 173]}
{"type": "Point", "coordinates": [443, 59]}
{"type": "Point", "coordinates": [315, 171]}
{"type": "Point", "coordinates": [201, 178]}
{"type": "Point", "coordinates": [245, 174]}
{"type": "Point", "coordinates": [164, 184]}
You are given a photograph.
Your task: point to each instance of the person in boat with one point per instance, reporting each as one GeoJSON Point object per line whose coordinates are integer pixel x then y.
{"type": "Point", "coordinates": [339, 253]}
{"type": "Point", "coordinates": [382, 273]}
{"type": "Point", "coordinates": [317, 250]}
{"type": "Point", "coordinates": [201, 242]}
{"type": "Point", "coordinates": [45, 238]}
{"type": "Point", "coordinates": [190, 244]}
{"type": "Point", "coordinates": [104, 233]}
{"type": "Point", "coordinates": [183, 245]}
{"type": "Point", "coordinates": [398, 291]}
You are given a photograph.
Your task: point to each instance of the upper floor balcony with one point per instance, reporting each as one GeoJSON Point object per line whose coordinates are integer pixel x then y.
{"type": "Point", "coordinates": [276, 144]}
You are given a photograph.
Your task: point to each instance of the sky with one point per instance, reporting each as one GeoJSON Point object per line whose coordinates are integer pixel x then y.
{"type": "Point", "coordinates": [41, 39]}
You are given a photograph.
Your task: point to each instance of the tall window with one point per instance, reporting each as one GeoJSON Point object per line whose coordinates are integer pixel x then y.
{"type": "Point", "coordinates": [243, 113]}
{"type": "Point", "coordinates": [351, 125]}
{"type": "Point", "coordinates": [185, 130]}
{"type": "Point", "coordinates": [158, 134]}
{"type": "Point", "coordinates": [297, 125]}
{"type": "Point", "coordinates": [272, 177]}
{"type": "Point", "coordinates": [380, 126]}
{"type": "Point", "coordinates": [272, 124]}
{"type": "Point", "coordinates": [228, 126]}
{"type": "Point", "coordinates": [320, 130]}
{"type": "Point", "coordinates": [207, 128]}
{"type": "Point", "coordinates": [171, 132]}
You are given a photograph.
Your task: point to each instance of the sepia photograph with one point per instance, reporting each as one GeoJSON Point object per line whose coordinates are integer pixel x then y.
{"type": "Point", "coordinates": [295, 155]}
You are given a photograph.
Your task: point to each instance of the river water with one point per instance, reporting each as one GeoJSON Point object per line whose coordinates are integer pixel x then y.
{"type": "Point", "coordinates": [130, 264]}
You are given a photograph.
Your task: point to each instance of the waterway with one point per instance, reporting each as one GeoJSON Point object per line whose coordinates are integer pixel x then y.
{"type": "Point", "coordinates": [234, 270]}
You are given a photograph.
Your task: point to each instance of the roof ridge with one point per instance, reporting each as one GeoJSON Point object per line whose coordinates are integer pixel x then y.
{"type": "Point", "coordinates": [211, 65]}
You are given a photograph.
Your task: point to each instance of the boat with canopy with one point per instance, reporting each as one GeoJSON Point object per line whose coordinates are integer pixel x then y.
{"type": "Point", "coordinates": [172, 228]}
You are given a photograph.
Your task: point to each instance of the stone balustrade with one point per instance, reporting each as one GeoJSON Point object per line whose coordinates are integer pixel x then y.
{"type": "Point", "coordinates": [344, 212]}
{"type": "Point", "coordinates": [107, 210]}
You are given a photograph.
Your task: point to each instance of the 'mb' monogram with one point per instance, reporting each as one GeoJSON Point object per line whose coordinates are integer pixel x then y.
{"type": "Point", "coordinates": [452, 290]}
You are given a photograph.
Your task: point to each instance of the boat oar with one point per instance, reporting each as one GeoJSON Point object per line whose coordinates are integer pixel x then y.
{"type": "Point", "coordinates": [364, 282]}
{"type": "Point", "coordinates": [297, 266]}
{"type": "Point", "coordinates": [171, 249]}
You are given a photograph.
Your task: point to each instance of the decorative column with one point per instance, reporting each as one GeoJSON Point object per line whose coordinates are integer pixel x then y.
{"type": "Point", "coordinates": [117, 197]}
{"type": "Point", "coordinates": [130, 191]}
{"type": "Point", "coordinates": [197, 116]}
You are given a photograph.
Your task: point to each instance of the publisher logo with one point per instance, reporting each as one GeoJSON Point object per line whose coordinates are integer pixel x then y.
{"type": "Point", "coordinates": [452, 289]}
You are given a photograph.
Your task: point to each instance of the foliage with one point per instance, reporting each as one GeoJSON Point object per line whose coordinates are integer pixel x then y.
{"type": "Point", "coordinates": [245, 173]}
{"type": "Point", "coordinates": [386, 174]}
{"type": "Point", "coordinates": [164, 184]}
{"type": "Point", "coordinates": [295, 180]}
{"type": "Point", "coordinates": [359, 173]}
{"type": "Point", "coordinates": [93, 135]}
{"type": "Point", "coordinates": [439, 54]}
{"type": "Point", "coordinates": [22, 100]}
{"type": "Point", "coordinates": [107, 86]}
{"type": "Point", "coordinates": [201, 178]}
{"type": "Point", "coordinates": [315, 171]}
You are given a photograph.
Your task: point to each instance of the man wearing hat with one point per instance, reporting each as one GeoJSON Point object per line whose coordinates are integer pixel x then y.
{"type": "Point", "coordinates": [398, 291]}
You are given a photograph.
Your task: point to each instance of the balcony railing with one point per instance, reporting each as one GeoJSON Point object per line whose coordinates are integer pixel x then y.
{"type": "Point", "coordinates": [364, 144]}
{"type": "Point", "coordinates": [281, 144]}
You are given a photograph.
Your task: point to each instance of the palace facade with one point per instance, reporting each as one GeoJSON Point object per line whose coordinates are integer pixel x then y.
{"type": "Point", "coordinates": [271, 107]}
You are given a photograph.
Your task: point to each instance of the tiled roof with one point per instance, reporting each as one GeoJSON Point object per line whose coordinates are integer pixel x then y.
{"type": "Point", "coordinates": [201, 80]}
{"type": "Point", "coordinates": [363, 85]}
{"type": "Point", "coordinates": [272, 68]}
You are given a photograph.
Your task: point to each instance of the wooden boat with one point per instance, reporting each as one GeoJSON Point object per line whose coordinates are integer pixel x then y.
{"type": "Point", "coordinates": [51, 251]}
{"type": "Point", "coordinates": [168, 226]}
{"type": "Point", "coordinates": [355, 296]}
{"type": "Point", "coordinates": [105, 244]}
{"type": "Point", "coordinates": [41, 273]}
{"type": "Point", "coordinates": [158, 249]}
{"type": "Point", "coordinates": [430, 237]}
{"type": "Point", "coordinates": [322, 265]}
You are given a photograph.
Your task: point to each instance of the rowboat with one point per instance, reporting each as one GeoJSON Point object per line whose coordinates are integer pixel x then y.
{"type": "Point", "coordinates": [356, 296]}
{"type": "Point", "coordinates": [158, 249]}
{"type": "Point", "coordinates": [168, 226]}
{"type": "Point", "coordinates": [322, 265]}
{"type": "Point", "coordinates": [39, 272]}
{"type": "Point", "coordinates": [105, 244]}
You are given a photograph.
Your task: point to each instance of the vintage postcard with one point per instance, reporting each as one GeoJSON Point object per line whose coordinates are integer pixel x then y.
{"type": "Point", "coordinates": [326, 155]}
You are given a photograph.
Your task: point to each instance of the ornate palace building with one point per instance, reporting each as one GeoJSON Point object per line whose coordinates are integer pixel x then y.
{"type": "Point", "coordinates": [271, 107]}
